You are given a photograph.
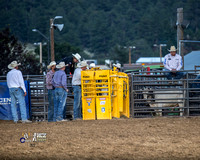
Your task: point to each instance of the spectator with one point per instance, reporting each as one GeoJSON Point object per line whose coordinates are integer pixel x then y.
{"type": "Point", "coordinates": [59, 81]}
{"type": "Point", "coordinates": [118, 67]}
{"type": "Point", "coordinates": [76, 83]}
{"type": "Point", "coordinates": [173, 63]}
{"type": "Point", "coordinates": [71, 62]}
{"type": "Point", "coordinates": [92, 65]}
{"type": "Point", "coordinates": [50, 89]}
{"type": "Point", "coordinates": [17, 92]}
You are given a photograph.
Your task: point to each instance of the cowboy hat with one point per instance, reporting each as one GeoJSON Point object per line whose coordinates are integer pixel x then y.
{"type": "Point", "coordinates": [77, 56]}
{"type": "Point", "coordinates": [172, 49]}
{"type": "Point", "coordinates": [13, 64]}
{"type": "Point", "coordinates": [118, 65]}
{"type": "Point", "coordinates": [61, 65]}
{"type": "Point", "coordinates": [51, 64]}
{"type": "Point", "coordinates": [92, 65]}
{"type": "Point", "coordinates": [82, 64]}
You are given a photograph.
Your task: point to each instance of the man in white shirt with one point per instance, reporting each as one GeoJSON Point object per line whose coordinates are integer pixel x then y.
{"type": "Point", "coordinates": [76, 83]}
{"type": "Point", "coordinates": [17, 91]}
{"type": "Point", "coordinates": [173, 62]}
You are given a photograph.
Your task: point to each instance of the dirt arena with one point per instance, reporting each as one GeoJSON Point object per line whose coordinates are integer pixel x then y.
{"type": "Point", "coordinates": [117, 139]}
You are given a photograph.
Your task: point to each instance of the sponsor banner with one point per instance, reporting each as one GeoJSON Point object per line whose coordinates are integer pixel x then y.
{"type": "Point", "coordinates": [5, 102]}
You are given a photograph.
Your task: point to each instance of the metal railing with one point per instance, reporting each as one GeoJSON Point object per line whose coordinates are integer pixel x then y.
{"type": "Point", "coordinates": [152, 94]}
{"type": "Point", "coordinates": [39, 96]}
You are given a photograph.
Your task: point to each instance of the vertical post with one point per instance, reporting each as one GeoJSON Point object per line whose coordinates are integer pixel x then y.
{"type": "Point", "coordinates": [160, 53]}
{"type": "Point", "coordinates": [52, 40]}
{"type": "Point", "coordinates": [41, 57]}
{"type": "Point", "coordinates": [129, 55]}
{"type": "Point", "coordinates": [180, 31]}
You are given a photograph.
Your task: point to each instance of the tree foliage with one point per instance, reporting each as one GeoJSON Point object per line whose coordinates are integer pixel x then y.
{"type": "Point", "coordinates": [100, 26]}
{"type": "Point", "coordinates": [11, 49]}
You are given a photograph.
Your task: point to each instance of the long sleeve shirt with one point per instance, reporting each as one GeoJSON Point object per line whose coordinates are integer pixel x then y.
{"type": "Point", "coordinates": [49, 77]}
{"type": "Point", "coordinates": [76, 80]}
{"type": "Point", "coordinates": [173, 62]}
{"type": "Point", "coordinates": [60, 79]}
{"type": "Point", "coordinates": [15, 79]}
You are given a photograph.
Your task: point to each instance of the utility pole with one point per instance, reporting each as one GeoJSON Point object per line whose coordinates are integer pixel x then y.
{"type": "Point", "coordinates": [179, 24]}
{"type": "Point", "coordinates": [52, 40]}
{"type": "Point", "coordinates": [41, 57]}
{"type": "Point", "coordinates": [129, 55]}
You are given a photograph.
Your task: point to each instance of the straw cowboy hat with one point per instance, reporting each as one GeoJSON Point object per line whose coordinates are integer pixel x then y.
{"type": "Point", "coordinates": [172, 49]}
{"type": "Point", "coordinates": [82, 64]}
{"type": "Point", "coordinates": [61, 65]}
{"type": "Point", "coordinates": [77, 56]}
{"type": "Point", "coordinates": [51, 64]}
{"type": "Point", "coordinates": [13, 64]}
{"type": "Point", "coordinates": [118, 65]}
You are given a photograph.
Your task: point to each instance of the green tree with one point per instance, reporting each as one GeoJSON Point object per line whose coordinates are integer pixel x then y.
{"type": "Point", "coordinates": [11, 49]}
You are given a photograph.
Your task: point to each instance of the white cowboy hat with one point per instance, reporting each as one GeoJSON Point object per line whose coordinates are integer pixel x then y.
{"type": "Point", "coordinates": [82, 64]}
{"type": "Point", "coordinates": [13, 64]}
{"type": "Point", "coordinates": [92, 65]}
{"type": "Point", "coordinates": [77, 56]}
{"type": "Point", "coordinates": [61, 65]}
{"type": "Point", "coordinates": [118, 65]}
{"type": "Point", "coordinates": [172, 49]}
{"type": "Point", "coordinates": [51, 64]}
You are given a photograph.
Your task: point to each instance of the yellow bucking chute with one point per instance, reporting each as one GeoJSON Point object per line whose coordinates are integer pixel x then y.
{"type": "Point", "coordinates": [105, 94]}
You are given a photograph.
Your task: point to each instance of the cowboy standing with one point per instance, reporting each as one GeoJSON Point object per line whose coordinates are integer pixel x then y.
{"type": "Point", "coordinates": [17, 91]}
{"type": "Point", "coordinates": [71, 61]}
{"type": "Point", "coordinates": [76, 83]}
{"type": "Point", "coordinates": [173, 62]}
{"type": "Point", "coordinates": [59, 81]}
{"type": "Point", "coordinates": [50, 89]}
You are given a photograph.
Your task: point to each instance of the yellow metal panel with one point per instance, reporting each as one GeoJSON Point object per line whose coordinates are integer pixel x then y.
{"type": "Point", "coordinates": [103, 108]}
{"type": "Point", "coordinates": [88, 108]}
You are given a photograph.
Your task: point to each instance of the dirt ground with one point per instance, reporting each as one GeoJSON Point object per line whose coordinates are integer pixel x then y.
{"type": "Point", "coordinates": [119, 139]}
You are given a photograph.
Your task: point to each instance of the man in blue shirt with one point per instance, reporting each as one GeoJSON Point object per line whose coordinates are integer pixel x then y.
{"type": "Point", "coordinates": [59, 81]}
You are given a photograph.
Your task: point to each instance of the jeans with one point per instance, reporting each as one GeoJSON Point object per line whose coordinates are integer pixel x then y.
{"type": "Point", "coordinates": [60, 98]}
{"type": "Point", "coordinates": [77, 102]}
{"type": "Point", "coordinates": [18, 94]}
{"type": "Point", "coordinates": [51, 105]}
{"type": "Point", "coordinates": [64, 105]}
{"type": "Point", "coordinates": [174, 75]}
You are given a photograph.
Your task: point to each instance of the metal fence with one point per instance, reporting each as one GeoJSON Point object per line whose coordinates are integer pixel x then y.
{"type": "Point", "coordinates": [39, 96]}
{"type": "Point", "coordinates": [152, 94]}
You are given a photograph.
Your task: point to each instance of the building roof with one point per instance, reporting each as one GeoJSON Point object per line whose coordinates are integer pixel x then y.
{"type": "Point", "coordinates": [149, 60]}
{"type": "Point", "coordinates": [191, 59]}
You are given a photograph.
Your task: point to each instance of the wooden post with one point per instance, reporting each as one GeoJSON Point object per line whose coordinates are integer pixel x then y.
{"type": "Point", "coordinates": [52, 40]}
{"type": "Point", "coordinates": [180, 30]}
{"type": "Point", "coordinates": [160, 53]}
{"type": "Point", "coordinates": [129, 55]}
{"type": "Point", "coordinates": [41, 57]}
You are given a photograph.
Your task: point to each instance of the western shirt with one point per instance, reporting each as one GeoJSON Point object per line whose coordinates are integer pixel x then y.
{"type": "Point", "coordinates": [76, 80]}
{"type": "Point", "coordinates": [173, 62]}
{"type": "Point", "coordinates": [49, 77]}
{"type": "Point", "coordinates": [15, 79]}
{"type": "Point", "coordinates": [60, 79]}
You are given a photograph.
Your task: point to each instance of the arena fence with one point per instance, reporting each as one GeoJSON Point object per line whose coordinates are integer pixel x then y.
{"type": "Point", "coordinates": [152, 94]}
{"type": "Point", "coordinates": [39, 96]}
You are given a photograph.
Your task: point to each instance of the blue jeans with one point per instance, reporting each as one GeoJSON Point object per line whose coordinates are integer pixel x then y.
{"type": "Point", "coordinates": [18, 94]}
{"type": "Point", "coordinates": [64, 105]}
{"type": "Point", "coordinates": [60, 98]}
{"type": "Point", "coordinates": [51, 105]}
{"type": "Point", "coordinates": [77, 102]}
{"type": "Point", "coordinates": [174, 75]}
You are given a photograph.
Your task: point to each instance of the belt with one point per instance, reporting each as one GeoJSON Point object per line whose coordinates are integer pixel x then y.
{"type": "Point", "coordinates": [59, 87]}
{"type": "Point", "coordinates": [77, 85]}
